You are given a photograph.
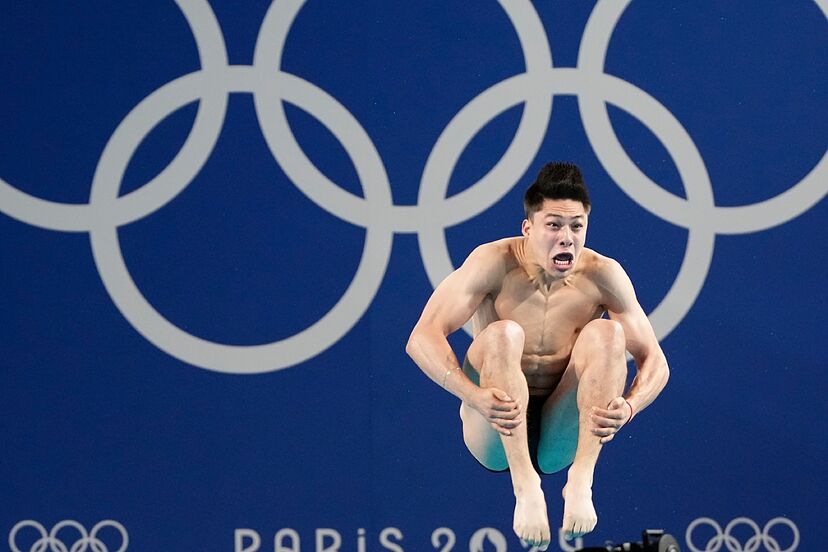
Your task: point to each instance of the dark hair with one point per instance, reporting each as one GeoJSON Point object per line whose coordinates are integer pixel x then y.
{"type": "Point", "coordinates": [556, 180]}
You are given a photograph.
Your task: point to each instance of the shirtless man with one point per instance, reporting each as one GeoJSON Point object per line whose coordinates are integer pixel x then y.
{"type": "Point", "coordinates": [542, 386]}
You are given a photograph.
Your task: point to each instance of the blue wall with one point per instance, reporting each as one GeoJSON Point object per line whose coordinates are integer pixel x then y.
{"type": "Point", "coordinates": [220, 222]}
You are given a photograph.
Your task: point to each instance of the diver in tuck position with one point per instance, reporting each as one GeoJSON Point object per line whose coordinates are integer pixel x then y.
{"type": "Point", "coordinates": [542, 386]}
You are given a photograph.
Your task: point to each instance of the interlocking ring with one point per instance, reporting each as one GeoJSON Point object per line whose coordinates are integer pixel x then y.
{"type": "Point", "coordinates": [56, 544]}
{"type": "Point", "coordinates": [761, 537]}
{"type": "Point", "coordinates": [376, 212]}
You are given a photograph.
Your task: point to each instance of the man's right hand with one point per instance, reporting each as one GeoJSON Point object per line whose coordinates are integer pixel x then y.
{"type": "Point", "coordinates": [498, 408]}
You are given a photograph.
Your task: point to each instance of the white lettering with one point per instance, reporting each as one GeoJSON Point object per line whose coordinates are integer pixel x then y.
{"type": "Point", "coordinates": [323, 532]}
{"type": "Point", "coordinates": [388, 544]}
{"type": "Point", "coordinates": [490, 534]}
{"type": "Point", "coordinates": [437, 535]}
{"type": "Point", "coordinates": [241, 534]}
{"type": "Point", "coordinates": [361, 540]}
{"type": "Point", "coordinates": [279, 540]}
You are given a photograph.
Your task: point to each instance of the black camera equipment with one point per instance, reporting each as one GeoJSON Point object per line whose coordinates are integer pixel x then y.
{"type": "Point", "coordinates": [652, 540]}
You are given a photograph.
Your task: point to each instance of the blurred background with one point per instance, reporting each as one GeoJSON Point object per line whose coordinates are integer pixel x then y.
{"type": "Point", "coordinates": [219, 223]}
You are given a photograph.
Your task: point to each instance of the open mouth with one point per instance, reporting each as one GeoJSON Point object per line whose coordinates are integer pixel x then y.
{"type": "Point", "coordinates": [563, 261]}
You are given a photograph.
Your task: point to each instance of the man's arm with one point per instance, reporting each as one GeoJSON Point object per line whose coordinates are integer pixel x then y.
{"type": "Point", "coordinates": [652, 371]}
{"type": "Point", "coordinates": [451, 305]}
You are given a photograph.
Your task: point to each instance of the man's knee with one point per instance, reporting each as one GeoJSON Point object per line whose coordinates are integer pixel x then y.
{"type": "Point", "coordinates": [500, 342]}
{"type": "Point", "coordinates": [505, 334]}
{"type": "Point", "coordinates": [605, 335]}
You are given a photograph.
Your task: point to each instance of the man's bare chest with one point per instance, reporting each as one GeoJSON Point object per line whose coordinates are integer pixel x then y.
{"type": "Point", "coordinates": [551, 319]}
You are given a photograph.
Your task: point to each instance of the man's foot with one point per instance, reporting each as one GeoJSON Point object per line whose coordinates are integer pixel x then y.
{"type": "Point", "coordinates": [579, 517]}
{"type": "Point", "coordinates": [531, 523]}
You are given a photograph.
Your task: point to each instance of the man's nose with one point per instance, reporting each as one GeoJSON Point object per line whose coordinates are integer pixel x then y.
{"type": "Point", "coordinates": [566, 237]}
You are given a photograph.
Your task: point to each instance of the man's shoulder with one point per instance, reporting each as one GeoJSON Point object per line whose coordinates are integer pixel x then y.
{"type": "Point", "coordinates": [501, 250]}
{"type": "Point", "coordinates": [608, 275]}
{"type": "Point", "coordinates": [601, 268]}
{"type": "Point", "coordinates": [499, 256]}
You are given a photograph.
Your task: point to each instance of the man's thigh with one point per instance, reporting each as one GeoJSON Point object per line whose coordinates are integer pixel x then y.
{"type": "Point", "coordinates": [480, 437]}
{"type": "Point", "coordinates": [560, 421]}
{"type": "Point", "coordinates": [559, 425]}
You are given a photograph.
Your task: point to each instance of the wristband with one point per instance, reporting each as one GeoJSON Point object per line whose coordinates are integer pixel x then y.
{"type": "Point", "coordinates": [446, 375]}
{"type": "Point", "coordinates": [632, 412]}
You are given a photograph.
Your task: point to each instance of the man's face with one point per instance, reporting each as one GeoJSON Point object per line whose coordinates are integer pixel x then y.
{"type": "Point", "coordinates": [556, 235]}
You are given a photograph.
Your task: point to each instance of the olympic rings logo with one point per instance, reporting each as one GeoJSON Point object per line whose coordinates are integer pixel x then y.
{"type": "Point", "coordinates": [760, 537]}
{"type": "Point", "coordinates": [376, 212]}
{"type": "Point", "coordinates": [55, 544]}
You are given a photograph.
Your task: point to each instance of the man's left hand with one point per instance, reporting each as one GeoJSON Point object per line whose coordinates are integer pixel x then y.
{"type": "Point", "coordinates": [607, 421]}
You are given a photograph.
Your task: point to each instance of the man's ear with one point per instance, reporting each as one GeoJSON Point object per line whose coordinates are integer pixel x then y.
{"type": "Point", "coordinates": [525, 226]}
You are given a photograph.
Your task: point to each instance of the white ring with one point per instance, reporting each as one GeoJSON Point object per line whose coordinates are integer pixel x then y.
{"type": "Point", "coordinates": [166, 185]}
{"type": "Point", "coordinates": [38, 546]}
{"type": "Point", "coordinates": [255, 358]}
{"type": "Point", "coordinates": [347, 206]}
{"type": "Point", "coordinates": [760, 537]}
{"type": "Point", "coordinates": [376, 212]}
{"type": "Point", "coordinates": [57, 545]}
{"type": "Point", "coordinates": [662, 203]}
{"type": "Point", "coordinates": [98, 546]}
{"type": "Point", "coordinates": [675, 305]}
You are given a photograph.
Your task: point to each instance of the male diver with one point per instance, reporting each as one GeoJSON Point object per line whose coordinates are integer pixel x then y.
{"type": "Point", "coordinates": [542, 385]}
